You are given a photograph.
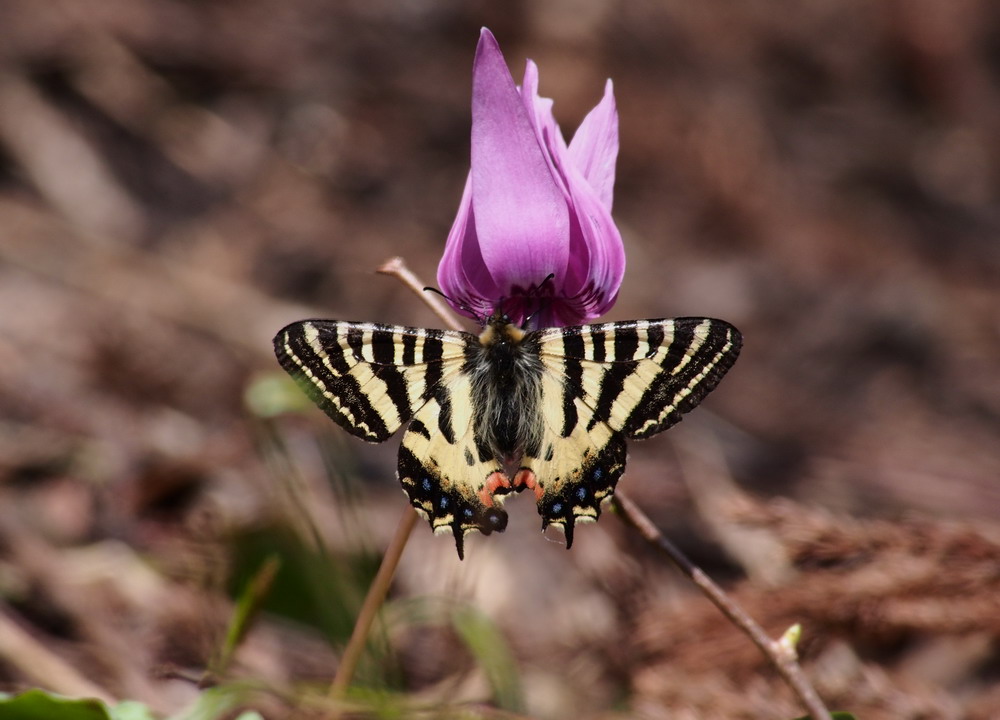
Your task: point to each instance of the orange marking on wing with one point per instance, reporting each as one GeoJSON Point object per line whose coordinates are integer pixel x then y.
{"type": "Point", "coordinates": [526, 478]}
{"type": "Point", "coordinates": [494, 481]}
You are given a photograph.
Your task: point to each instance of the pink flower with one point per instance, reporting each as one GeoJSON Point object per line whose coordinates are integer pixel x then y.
{"type": "Point", "coordinates": [533, 206]}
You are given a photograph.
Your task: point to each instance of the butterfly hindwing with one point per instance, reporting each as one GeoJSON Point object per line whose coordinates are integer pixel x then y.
{"type": "Point", "coordinates": [606, 382]}
{"type": "Point", "coordinates": [578, 464]}
{"type": "Point", "coordinates": [447, 477]}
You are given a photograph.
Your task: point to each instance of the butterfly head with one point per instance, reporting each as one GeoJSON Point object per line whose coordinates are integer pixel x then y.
{"type": "Point", "coordinates": [525, 306]}
{"type": "Point", "coordinates": [500, 328]}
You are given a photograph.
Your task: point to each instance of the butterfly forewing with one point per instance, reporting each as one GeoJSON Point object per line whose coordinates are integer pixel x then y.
{"type": "Point", "coordinates": [369, 378]}
{"type": "Point", "coordinates": [640, 376]}
{"type": "Point", "coordinates": [607, 382]}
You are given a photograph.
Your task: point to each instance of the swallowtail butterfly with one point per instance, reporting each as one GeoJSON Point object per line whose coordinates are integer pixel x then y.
{"type": "Point", "coordinates": [510, 409]}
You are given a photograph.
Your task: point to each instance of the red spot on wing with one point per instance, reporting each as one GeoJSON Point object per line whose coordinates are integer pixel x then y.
{"type": "Point", "coordinates": [493, 483]}
{"type": "Point", "coordinates": [525, 478]}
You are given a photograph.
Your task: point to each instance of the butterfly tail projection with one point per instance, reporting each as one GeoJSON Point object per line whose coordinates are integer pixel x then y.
{"type": "Point", "coordinates": [452, 481]}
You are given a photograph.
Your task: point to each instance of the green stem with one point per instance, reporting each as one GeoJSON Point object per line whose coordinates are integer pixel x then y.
{"type": "Point", "coordinates": [369, 608]}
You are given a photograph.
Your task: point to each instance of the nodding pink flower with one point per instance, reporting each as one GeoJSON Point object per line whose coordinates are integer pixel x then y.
{"type": "Point", "coordinates": [533, 238]}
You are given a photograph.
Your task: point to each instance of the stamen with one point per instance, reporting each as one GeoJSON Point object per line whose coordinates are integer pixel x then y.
{"type": "Point", "coordinates": [535, 293]}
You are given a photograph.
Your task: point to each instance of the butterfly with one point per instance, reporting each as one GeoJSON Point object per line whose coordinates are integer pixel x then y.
{"type": "Point", "coordinates": [510, 409]}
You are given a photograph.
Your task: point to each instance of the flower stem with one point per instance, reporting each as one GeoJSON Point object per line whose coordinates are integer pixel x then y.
{"type": "Point", "coordinates": [370, 606]}
{"type": "Point", "coordinates": [396, 267]}
{"type": "Point", "coordinates": [779, 656]}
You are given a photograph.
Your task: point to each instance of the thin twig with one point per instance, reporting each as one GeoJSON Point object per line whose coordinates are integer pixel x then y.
{"type": "Point", "coordinates": [396, 267]}
{"type": "Point", "coordinates": [370, 606]}
{"type": "Point", "coordinates": [778, 654]}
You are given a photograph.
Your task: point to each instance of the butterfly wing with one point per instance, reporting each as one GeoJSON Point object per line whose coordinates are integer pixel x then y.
{"type": "Point", "coordinates": [448, 476]}
{"type": "Point", "coordinates": [371, 378]}
{"type": "Point", "coordinates": [368, 377]}
{"type": "Point", "coordinates": [578, 462]}
{"type": "Point", "coordinates": [603, 383]}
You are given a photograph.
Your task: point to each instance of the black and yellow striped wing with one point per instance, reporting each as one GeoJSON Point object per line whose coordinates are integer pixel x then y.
{"type": "Point", "coordinates": [368, 377]}
{"type": "Point", "coordinates": [583, 391]}
{"type": "Point", "coordinates": [372, 378]}
{"type": "Point", "coordinates": [450, 479]}
{"type": "Point", "coordinates": [605, 383]}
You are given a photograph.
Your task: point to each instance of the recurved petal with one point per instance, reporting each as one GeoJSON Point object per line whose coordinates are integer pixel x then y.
{"type": "Point", "coordinates": [594, 148]}
{"type": "Point", "coordinates": [547, 131]}
{"type": "Point", "coordinates": [521, 217]}
{"type": "Point", "coordinates": [597, 256]}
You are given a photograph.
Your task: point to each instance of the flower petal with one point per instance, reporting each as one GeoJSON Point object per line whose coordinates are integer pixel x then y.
{"type": "Point", "coordinates": [594, 147]}
{"type": "Point", "coordinates": [462, 275]}
{"type": "Point", "coordinates": [533, 206]}
{"type": "Point", "coordinates": [547, 131]}
{"type": "Point", "coordinates": [596, 258]}
{"type": "Point", "coordinates": [521, 218]}
{"type": "Point", "coordinates": [597, 255]}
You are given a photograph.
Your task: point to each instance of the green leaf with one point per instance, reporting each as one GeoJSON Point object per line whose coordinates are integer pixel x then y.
{"type": "Point", "coordinates": [273, 394]}
{"type": "Point", "coordinates": [36, 705]}
{"type": "Point", "coordinates": [131, 710]}
{"type": "Point", "coordinates": [249, 603]}
{"type": "Point", "coordinates": [213, 703]}
{"type": "Point", "coordinates": [40, 705]}
{"type": "Point", "coordinates": [488, 646]}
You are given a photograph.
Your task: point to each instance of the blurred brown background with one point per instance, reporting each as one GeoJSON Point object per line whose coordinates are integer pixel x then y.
{"type": "Point", "coordinates": [180, 179]}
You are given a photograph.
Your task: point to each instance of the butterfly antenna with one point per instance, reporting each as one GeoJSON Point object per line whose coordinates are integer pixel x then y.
{"type": "Point", "coordinates": [458, 304]}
